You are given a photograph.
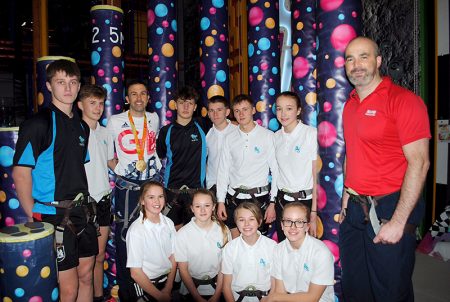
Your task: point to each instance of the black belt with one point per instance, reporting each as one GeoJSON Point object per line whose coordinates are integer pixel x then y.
{"type": "Point", "coordinates": [297, 195]}
{"type": "Point", "coordinates": [205, 281]}
{"type": "Point", "coordinates": [252, 192]}
{"type": "Point", "coordinates": [251, 293]}
{"type": "Point", "coordinates": [69, 204]}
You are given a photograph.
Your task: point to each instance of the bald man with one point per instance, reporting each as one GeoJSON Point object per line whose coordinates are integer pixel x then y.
{"type": "Point", "coordinates": [386, 131]}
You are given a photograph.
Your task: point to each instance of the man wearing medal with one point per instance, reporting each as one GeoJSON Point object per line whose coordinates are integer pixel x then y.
{"type": "Point", "coordinates": [134, 133]}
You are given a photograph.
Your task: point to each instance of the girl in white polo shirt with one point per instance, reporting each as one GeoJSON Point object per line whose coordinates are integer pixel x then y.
{"type": "Point", "coordinates": [296, 153]}
{"type": "Point", "coordinates": [198, 250]}
{"type": "Point", "coordinates": [150, 246]}
{"type": "Point", "coordinates": [247, 259]}
{"type": "Point", "coordinates": [303, 266]}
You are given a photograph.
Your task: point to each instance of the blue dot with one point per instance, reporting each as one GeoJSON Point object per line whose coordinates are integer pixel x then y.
{"type": "Point", "coordinates": [158, 105]}
{"type": "Point", "coordinates": [205, 23]}
{"type": "Point", "coordinates": [331, 165]}
{"type": "Point", "coordinates": [262, 97]}
{"type": "Point", "coordinates": [341, 17]}
{"type": "Point", "coordinates": [167, 84]}
{"type": "Point", "coordinates": [219, 60]}
{"type": "Point", "coordinates": [108, 88]}
{"type": "Point", "coordinates": [273, 124]}
{"type": "Point", "coordinates": [301, 87]}
{"type": "Point", "coordinates": [104, 122]}
{"type": "Point", "coordinates": [327, 178]}
{"type": "Point", "coordinates": [95, 58]}
{"type": "Point", "coordinates": [273, 54]}
{"type": "Point", "coordinates": [107, 103]}
{"type": "Point", "coordinates": [19, 292]}
{"type": "Point", "coordinates": [274, 70]}
{"type": "Point", "coordinates": [123, 65]}
{"type": "Point", "coordinates": [314, 57]}
{"type": "Point", "coordinates": [339, 184]}
{"type": "Point", "coordinates": [105, 280]}
{"type": "Point", "coordinates": [258, 52]}
{"type": "Point", "coordinates": [309, 9]}
{"type": "Point", "coordinates": [218, 3]}
{"type": "Point", "coordinates": [251, 50]}
{"type": "Point", "coordinates": [272, 91]}
{"type": "Point", "coordinates": [274, 108]}
{"type": "Point", "coordinates": [221, 76]}
{"type": "Point", "coordinates": [107, 21]}
{"type": "Point", "coordinates": [158, 89]}
{"type": "Point", "coordinates": [159, 31]}
{"type": "Point", "coordinates": [158, 69]}
{"type": "Point", "coordinates": [99, 49]}
{"type": "Point", "coordinates": [6, 156]}
{"type": "Point", "coordinates": [255, 69]}
{"type": "Point", "coordinates": [264, 44]}
{"type": "Point", "coordinates": [257, 28]}
{"type": "Point", "coordinates": [55, 293]}
{"type": "Point", "coordinates": [161, 10]}
{"type": "Point", "coordinates": [13, 203]}
{"type": "Point", "coordinates": [173, 24]}
{"type": "Point", "coordinates": [299, 40]}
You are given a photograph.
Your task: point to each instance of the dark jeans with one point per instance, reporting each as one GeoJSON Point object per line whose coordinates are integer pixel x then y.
{"type": "Point", "coordinates": [376, 272]}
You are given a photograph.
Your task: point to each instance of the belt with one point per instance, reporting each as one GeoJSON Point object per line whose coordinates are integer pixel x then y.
{"type": "Point", "coordinates": [251, 291]}
{"type": "Point", "coordinates": [78, 201]}
{"type": "Point", "coordinates": [250, 191]}
{"type": "Point", "coordinates": [183, 190]}
{"type": "Point", "coordinates": [205, 281]}
{"type": "Point", "coordinates": [297, 195]}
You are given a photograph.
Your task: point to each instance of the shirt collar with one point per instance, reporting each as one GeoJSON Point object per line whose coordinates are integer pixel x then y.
{"type": "Point", "coordinates": [381, 90]}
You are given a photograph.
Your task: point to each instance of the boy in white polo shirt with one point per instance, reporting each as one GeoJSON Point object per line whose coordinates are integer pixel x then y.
{"type": "Point", "coordinates": [101, 150]}
{"type": "Point", "coordinates": [218, 111]}
{"type": "Point", "coordinates": [247, 156]}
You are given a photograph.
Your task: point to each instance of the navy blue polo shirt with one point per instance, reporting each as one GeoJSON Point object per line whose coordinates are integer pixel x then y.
{"type": "Point", "coordinates": [54, 146]}
{"type": "Point", "coordinates": [184, 148]}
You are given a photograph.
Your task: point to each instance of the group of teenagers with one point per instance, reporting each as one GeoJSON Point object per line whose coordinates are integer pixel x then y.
{"type": "Point", "coordinates": [202, 217]}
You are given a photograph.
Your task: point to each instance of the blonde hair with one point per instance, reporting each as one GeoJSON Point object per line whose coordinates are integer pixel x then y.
{"type": "Point", "coordinates": [214, 217]}
{"type": "Point", "coordinates": [299, 205]}
{"type": "Point", "coordinates": [144, 188]}
{"type": "Point", "coordinates": [252, 207]}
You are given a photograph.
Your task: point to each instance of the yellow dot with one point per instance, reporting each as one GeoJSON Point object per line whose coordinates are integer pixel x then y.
{"type": "Point", "coordinates": [167, 50]}
{"type": "Point", "coordinates": [319, 163]}
{"type": "Point", "coordinates": [253, 1]}
{"type": "Point", "coordinates": [319, 227]}
{"type": "Point", "coordinates": [314, 74]}
{"type": "Point", "coordinates": [45, 272]}
{"type": "Point", "coordinates": [215, 90]}
{"type": "Point", "coordinates": [214, 32]}
{"type": "Point", "coordinates": [22, 271]}
{"type": "Point", "coordinates": [209, 41]}
{"type": "Point", "coordinates": [299, 25]}
{"type": "Point", "coordinates": [336, 217]}
{"type": "Point", "coordinates": [311, 98]}
{"type": "Point", "coordinates": [331, 83]}
{"type": "Point", "coordinates": [150, 51]}
{"type": "Point", "coordinates": [40, 98]}
{"type": "Point", "coordinates": [7, 299]}
{"type": "Point", "coordinates": [105, 265]}
{"type": "Point", "coordinates": [200, 51]}
{"type": "Point", "coordinates": [295, 49]}
{"type": "Point", "coordinates": [115, 291]}
{"type": "Point", "coordinates": [267, 4]}
{"type": "Point", "coordinates": [116, 51]}
{"type": "Point", "coordinates": [156, 79]}
{"type": "Point", "coordinates": [114, 79]}
{"type": "Point", "coordinates": [259, 77]}
{"type": "Point", "coordinates": [204, 111]}
{"type": "Point", "coordinates": [270, 23]}
{"type": "Point", "coordinates": [338, 155]}
{"type": "Point", "coordinates": [2, 271]}
{"type": "Point", "coordinates": [172, 105]}
{"type": "Point", "coordinates": [2, 196]}
{"type": "Point", "coordinates": [260, 106]}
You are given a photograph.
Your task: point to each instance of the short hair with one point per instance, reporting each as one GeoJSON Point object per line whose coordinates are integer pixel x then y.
{"type": "Point", "coordinates": [187, 93]}
{"type": "Point", "coordinates": [252, 207]}
{"type": "Point", "coordinates": [299, 205]}
{"type": "Point", "coordinates": [144, 188]}
{"type": "Point", "coordinates": [219, 99]}
{"type": "Point", "coordinates": [135, 82]}
{"type": "Point", "coordinates": [376, 48]}
{"type": "Point", "coordinates": [291, 95]}
{"type": "Point", "coordinates": [240, 98]}
{"type": "Point", "coordinates": [90, 90]}
{"type": "Point", "coordinates": [63, 65]}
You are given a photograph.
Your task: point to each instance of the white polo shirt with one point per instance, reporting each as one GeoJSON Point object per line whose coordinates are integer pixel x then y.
{"type": "Point", "coordinates": [120, 129]}
{"type": "Point", "coordinates": [311, 263]}
{"type": "Point", "coordinates": [149, 245]}
{"type": "Point", "coordinates": [295, 153]}
{"type": "Point", "coordinates": [214, 143]}
{"type": "Point", "coordinates": [249, 265]}
{"type": "Point", "coordinates": [245, 161]}
{"type": "Point", "coordinates": [101, 149]}
{"type": "Point", "coordinates": [202, 249]}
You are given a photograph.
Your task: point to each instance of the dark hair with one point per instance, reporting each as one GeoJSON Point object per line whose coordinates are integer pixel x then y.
{"type": "Point", "coordinates": [144, 188]}
{"type": "Point", "coordinates": [214, 217]}
{"type": "Point", "coordinates": [291, 95]}
{"type": "Point", "coordinates": [240, 98]}
{"type": "Point", "coordinates": [252, 207]}
{"type": "Point", "coordinates": [135, 82]}
{"type": "Point", "coordinates": [219, 99]}
{"type": "Point", "coordinates": [297, 204]}
{"type": "Point", "coordinates": [90, 90]}
{"type": "Point", "coordinates": [187, 93]}
{"type": "Point", "coordinates": [69, 67]}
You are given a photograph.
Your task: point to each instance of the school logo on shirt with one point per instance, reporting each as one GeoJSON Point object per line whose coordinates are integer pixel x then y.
{"type": "Point", "coordinates": [81, 141]}
{"type": "Point", "coordinates": [194, 138]}
{"type": "Point", "coordinates": [262, 262]}
{"type": "Point", "coordinates": [297, 149]}
{"type": "Point", "coordinates": [306, 267]}
{"type": "Point", "coordinates": [60, 253]}
{"type": "Point", "coordinates": [371, 112]}
{"type": "Point", "coordinates": [257, 150]}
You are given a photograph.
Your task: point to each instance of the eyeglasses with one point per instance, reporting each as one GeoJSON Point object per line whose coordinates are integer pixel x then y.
{"type": "Point", "coordinates": [290, 223]}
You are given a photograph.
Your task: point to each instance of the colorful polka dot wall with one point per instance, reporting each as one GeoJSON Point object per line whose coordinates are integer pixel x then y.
{"type": "Point", "coordinates": [27, 263]}
{"type": "Point", "coordinates": [214, 69]}
{"type": "Point", "coordinates": [264, 59]}
{"type": "Point", "coordinates": [162, 80]}
{"type": "Point", "coordinates": [304, 58]}
{"type": "Point", "coordinates": [107, 57]}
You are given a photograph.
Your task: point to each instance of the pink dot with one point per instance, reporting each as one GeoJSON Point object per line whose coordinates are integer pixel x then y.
{"type": "Point", "coordinates": [169, 113]}
{"type": "Point", "coordinates": [320, 25]}
{"type": "Point", "coordinates": [107, 79]}
{"type": "Point", "coordinates": [314, 25]}
{"type": "Point", "coordinates": [314, 44]}
{"type": "Point", "coordinates": [35, 299]}
{"type": "Point", "coordinates": [165, 23]}
{"type": "Point", "coordinates": [255, 16]}
{"type": "Point", "coordinates": [326, 134]}
{"type": "Point", "coordinates": [167, 68]}
{"type": "Point", "coordinates": [341, 36]}
{"type": "Point", "coordinates": [155, 58]}
{"type": "Point", "coordinates": [334, 231]}
{"type": "Point", "coordinates": [220, 49]}
{"type": "Point", "coordinates": [101, 72]}
{"type": "Point", "coordinates": [112, 183]}
{"type": "Point", "coordinates": [264, 66]}
{"type": "Point", "coordinates": [202, 69]}
{"type": "Point", "coordinates": [115, 90]}
{"type": "Point", "coordinates": [301, 67]}
{"type": "Point", "coordinates": [107, 255]}
{"type": "Point", "coordinates": [321, 197]}
{"type": "Point", "coordinates": [116, 69]}
{"type": "Point", "coordinates": [328, 5]}
{"type": "Point", "coordinates": [296, 14]}
{"type": "Point", "coordinates": [150, 17]}
{"type": "Point", "coordinates": [333, 249]}
{"type": "Point", "coordinates": [339, 62]}
{"type": "Point", "coordinates": [26, 253]}
{"type": "Point", "coordinates": [250, 78]}
{"type": "Point", "coordinates": [171, 37]}
{"type": "Point", "coordinates": [167, 123]}
{"type": "Point", "coordinates": [222, 37]}
{"type": "Point", "coordinates": [259, 121]}
{"type": "Point", "coordinates": [270, 80]}
{"type": "Point", "coordinates": [203, 84]}
{"type": "Point", "coordinates": [327, 106]}
{"type": "Point", "coordinates": [212, 10]}
{"type": "Point", "coordinates": [9, 221]}
{"type": "Point", "coordinates": [113, 268]}
{"type": "Point", "coordinates": [354, 14]}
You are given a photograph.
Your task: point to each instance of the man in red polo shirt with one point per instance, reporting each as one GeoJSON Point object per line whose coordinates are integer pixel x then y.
{"type": "Point", "coordinates": [386, 131]}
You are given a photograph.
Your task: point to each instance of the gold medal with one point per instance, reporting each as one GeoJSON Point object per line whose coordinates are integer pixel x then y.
{"type": "Point", "coordinates": [141, 165]}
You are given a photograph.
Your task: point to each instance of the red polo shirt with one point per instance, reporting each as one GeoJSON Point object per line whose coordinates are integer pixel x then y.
{"type": "Point", "coordinates": [375, 131]}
